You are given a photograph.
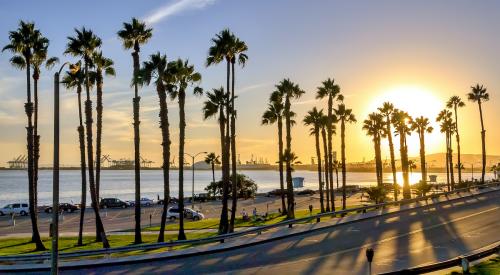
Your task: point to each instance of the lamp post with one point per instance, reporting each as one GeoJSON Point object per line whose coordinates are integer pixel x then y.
{"type": "Point", "coordinates": [192, 176]}
{"type": "Point", "coordinates": [55, 175]}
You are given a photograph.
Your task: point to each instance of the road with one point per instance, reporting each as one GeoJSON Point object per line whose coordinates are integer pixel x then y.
{"type": "Point", "coordinates": [412, 238]}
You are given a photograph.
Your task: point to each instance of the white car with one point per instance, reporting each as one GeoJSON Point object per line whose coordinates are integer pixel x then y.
{"type": "Point", "coordinates": [144, 202]}
{"type": "Point", "coordinates": [173, 213]}
{"type": "Point", "coordinates": [15, 209]}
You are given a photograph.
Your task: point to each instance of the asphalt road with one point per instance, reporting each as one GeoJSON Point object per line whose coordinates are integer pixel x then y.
{"type": "Point", "coordinates": [412, 238]}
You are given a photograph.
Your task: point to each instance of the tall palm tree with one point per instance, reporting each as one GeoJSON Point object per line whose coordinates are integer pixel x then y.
{"type": "Point", "coordinates": [480, 95]}
{"type": "Point", "coordinates": [184, 75]}
{"type": "Point", "coordinates": [375, 127]}
{"type": "Point", "coordinates": [454, 103]}
{"type": "Point", "coordinates": [133, 35]}
{"type": "Point", "coordinates": [324, 124]}
{"type": "Point", "coordinates": [156, 69]}
{"type": "Point", "coordinates": [289, 91]}
{"type": "Point", "coordinates": [387, 110]}
{"type": "Point", "coordinates": [103, 66]}
{"type": "Point", "coordinates": [83, 45]}
{"type": "Point", "coordinates": [274, 114]}
{"type": "Point", "coordinates": [344, 115]}
{"type": "Point", "coordinates": [332, 91]}
{"type": "Point", "coordinates": [21, 44]}
{"type": "Point", "coordinates": [421, 126]}
{"type": "Point", "coordinates": [76, 80]}
{"type": "Point", "coordinates": [212, 159]}
{"type": "Point", "coordinates": [216, 103]}
{"type": "Point", "coordinates": [448, 128]}
{"type": "Point", "coordinates": [400, 120]}
{"type": "Point", "coordinates": [314, 119]}
{"type": "Point", "coordinates": [221, 50]}
{"type": "Point", "coordinates": [238, 49]}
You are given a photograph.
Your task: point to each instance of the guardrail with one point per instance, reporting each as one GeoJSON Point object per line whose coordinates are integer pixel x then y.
{"type": "Point", "coordinates": [448, 263]}
{"type": "Point", "coordinates": [40, 258]}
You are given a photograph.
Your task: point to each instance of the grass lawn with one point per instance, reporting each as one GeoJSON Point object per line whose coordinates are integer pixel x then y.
{"type": "Point", "coordinates": [490, 267]}
{"type": "Point", "coordinates": [16, 246]}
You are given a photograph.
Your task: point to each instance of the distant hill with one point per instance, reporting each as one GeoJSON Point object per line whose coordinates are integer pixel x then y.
{"type": "Point", "coordinates": [439, 159]}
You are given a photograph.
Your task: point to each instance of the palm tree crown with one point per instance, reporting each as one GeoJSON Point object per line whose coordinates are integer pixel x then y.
{"type": "Point", "coordinates": [135, 33]}
{"type": "Point", "coordinates": [478, 94]}
{"type": "Point", "coordinates": [84, 44]}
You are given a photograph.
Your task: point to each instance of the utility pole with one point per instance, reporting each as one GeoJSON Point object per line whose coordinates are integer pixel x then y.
{"type": "Point", "coordinates": [192, 179]}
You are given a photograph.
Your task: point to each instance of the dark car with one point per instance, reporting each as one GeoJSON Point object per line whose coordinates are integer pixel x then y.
{"type": "Point", "coordinates": [306, 192]}
{"type": "Point", "coordinates": [63, 207]}
{"type": "Point", "coordinates": [202, 197]}
{"type": "Point", "coordinates": [112, 203]}
{"type": "Point", "coordinates": [275, 192]}
{"type": "Point", "coordinates": [172, 201]}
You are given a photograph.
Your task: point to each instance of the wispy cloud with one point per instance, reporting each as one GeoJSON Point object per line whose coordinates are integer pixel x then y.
{"type": "Point", "coordinates": [176, 7]}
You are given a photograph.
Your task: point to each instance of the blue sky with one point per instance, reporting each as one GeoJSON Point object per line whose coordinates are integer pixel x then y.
{"type": "Point", "coordinates": [373, 49]}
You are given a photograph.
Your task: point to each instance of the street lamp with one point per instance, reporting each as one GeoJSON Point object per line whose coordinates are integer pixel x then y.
{"type": "Point", "coordinates": [192, 184]}
{"type": "Point", "coordinates": [55, 174]}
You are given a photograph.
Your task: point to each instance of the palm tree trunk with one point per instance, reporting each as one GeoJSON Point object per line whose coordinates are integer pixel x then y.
{"type": "Point", "coordinates": [223, 218]}
{"type": "Point", "coordinates": [342, 149]}
{"type": "Point", "coordinates": [378, 162]}
{"type": "Point", "coordinates": [99, 108]}
{"type": "Point", "coordinates": [137, 150]}
{"type": "Point", "coordinates": [182, 129]}
{"type": "Point", "coordinates": [83, 169]}
{"type": "Point", "coordinates": [289, 184]}
{"type": "Point", "coordinates": [224, 221]}
{"type": "Point", "coordinates": [166, 158]}
{"type": "Point", "coordinates": [404, 166]}
{"type": "Point", "coordinates": [280, 164]}
{"type": "Point", "coordinates": [28, 107]}
{"type": "Point", "coordinates": [213, 170]}
{"type": "Point", "coordinates": [393, 160]}
{"type": "Point", "coordinates": [483, 142]}
{"type": "Point", "coordinates": [320, 182]}
{"type": "Point", "coordinates": [101, 234]}
{"type": "Point", "coordinates": [330, 150]}
{"type": "Point", "coordinates": [448, 163]}
{"type": "Point", "coordinates": [36, 137]}
{"type": "Point", "coordinates": [233, 154]}
{"type": "Point", "coordinates": [459, 161]}
{"type": "Point", "coordinates": [452, 174]}
{"type": "Point", "coordinates": [327, 173]}
{"type": "Point", "coordinates": [423, 167]}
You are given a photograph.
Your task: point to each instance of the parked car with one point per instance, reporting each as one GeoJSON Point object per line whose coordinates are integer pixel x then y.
{"type": "Point", "coordinates": [64, 207]}
{"type": "Point", "coordinates": [172, 200]}
{"type": "Point", "coordinates": [202, 197]}
{"type": "Point", "coordinates": [113, 203]}
{"type": "Point", "coordinates": [306, 192]}
{"type": "Point", "coordinates": [15, 209]}
{"type": "Point", "coordinates": [275, 192]}
{"type": "Point", "coordinates": [173, 213]}
{"type": "Point", "coordinates": [143, 202]}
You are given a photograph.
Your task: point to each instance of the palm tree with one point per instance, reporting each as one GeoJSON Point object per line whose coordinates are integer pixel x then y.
{"type": "Point", "coordinates": [156, 70]}
{"type": "Point", "coordinates": [448, 127]}
{"type": "Point", "coordinates": [337, 165]}
{"type": "Point", "coordinates": [329, 190]}
{"type": "Point", "coordinates": [217, 53]}
{"type": "Point", "coordinates": [21, 44]}
{"type": "Point", "coordinates": [412, 165]}
{"type": "Point", "coordinates": [332, 91]}
{"type": "Point", "coordinates": [421, 126]}
{"type": "Point", "coordinates": [216, 102]}
{"type": "Point", "coordinates": [344, 115]}
{"type": "Point", "coordinates": [212, 159]}
{"type": "Point", "coordinates": [478, 94]}
{"type": "Point", "coordinates": [184, 75]}
{"type": "Point", "coordinates": [274, 114]}
{"type": "Point", "coordinates": [387, 110]}
{"type": "Point", "coordinates": [238, 49]}
{"type": "Point", "coordinates": [454, 103]}
{"type": "Point", "coordinates": [400, 120]}
{"type": "Point", "coordinates": [76, 80]}
{"type": "Point", "coordinates": [102, 65]}
{"type": "Point", "coordinates": [289, 91]}
{"type": "Point", "coordinates": [133, 35]}
{"type": "Point", "coordinates": [314, 119]}
{"type": "Point", "coordinates": [374, 127]}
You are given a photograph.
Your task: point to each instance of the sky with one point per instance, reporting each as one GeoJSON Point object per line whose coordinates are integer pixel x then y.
{"type": "Point", "coordinates": [414, 53]}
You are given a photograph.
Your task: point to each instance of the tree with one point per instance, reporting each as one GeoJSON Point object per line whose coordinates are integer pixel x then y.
{"type": "Point", "coordinates": [332, 91]}
{"type": "Point", "coordinates": [314, 119]}
{"type": "Point", "coordinates": [274, 114]}
{"type": "Point", "coordinates": [344, 115]}
{"type": "Point", "coordinates": [212, 159]}
{"type": "Point", "coordinates": [329, 190]}
{"type": "Point", "coordinates": [133, 35]}
{"type": "Point", "coordinates": [337, 165]}
{"type": "Point", "coordinates": [454, 103]}
{"type": "Point", "coordinates": [156, 69]}
{"type": "Point", "coordinates": [401, 120]}
{"type": "Point", "coordinates": [289, 91]}
{"type": "Point", "coordinates": [375, 127]}
{"type": "Point", "coordinates": [421, 126]}
{"type": "Point", "coordinates": [387, 110]}
{"type": "Point", "coordinates": [480, 95]}
{"type": "Point", "coordinates": [76, 80]}
{"type": "Point", "coordinates": [216, 103]}
{"type": "Point", "coordinates": [21, 44]}
{"type": "Point", "coordinates": [83, 45]}
{"type": "Point", "coordinates": [448, 127]}
{"type": "Point", "coordinates": [377, 194]}
{"type": "Point", "coordinates": [183, 75]}
{"type": "Point", "coordinates": [246, 188]}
